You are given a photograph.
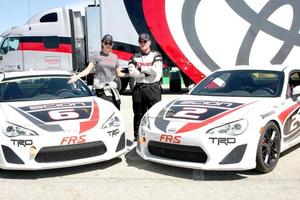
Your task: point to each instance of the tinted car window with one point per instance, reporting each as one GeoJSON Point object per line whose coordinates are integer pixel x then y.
{"type": "Point", "coordinates": [42, 88]}
{"type": "Point", "coordinates": [243, 83]}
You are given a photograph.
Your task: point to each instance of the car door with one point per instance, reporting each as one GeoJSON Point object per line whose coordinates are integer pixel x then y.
{"type": "Point", "coordinates": [11, 58]}
{"type": "Point", "coordinates": [290, 116]}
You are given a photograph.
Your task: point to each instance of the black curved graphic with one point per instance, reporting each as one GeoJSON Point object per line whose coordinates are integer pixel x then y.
{"type": "Point", "coordinates": [188, 24]}
{"type": "Point", "coordinates": [259, 22]}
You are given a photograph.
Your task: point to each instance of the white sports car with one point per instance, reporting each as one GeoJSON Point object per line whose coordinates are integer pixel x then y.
{"type": "Point", "coordinates": [235, 119]}
{"type": "Point", "coordinates": [48, 123]}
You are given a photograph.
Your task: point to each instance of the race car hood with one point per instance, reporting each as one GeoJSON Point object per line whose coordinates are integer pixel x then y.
{"type": "Point", "coordinates": [192, 112]}
{"type": "Point", "coordinates": [75, 115]}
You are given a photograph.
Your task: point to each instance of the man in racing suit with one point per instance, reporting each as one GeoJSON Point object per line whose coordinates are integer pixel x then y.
{"type": "Point", "coordinates": [146, 68]}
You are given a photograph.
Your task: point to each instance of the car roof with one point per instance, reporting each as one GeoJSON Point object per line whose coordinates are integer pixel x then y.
{"type": "Point", "coordinates": [9, 75]}
{"type": "Point", "coordinates": [255, 67]}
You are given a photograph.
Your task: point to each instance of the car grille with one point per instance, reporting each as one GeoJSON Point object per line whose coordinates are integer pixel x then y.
{"type": "Point", "coordinates": [177, 152]}
{"type": "Point", "coordinates": [70, 152]}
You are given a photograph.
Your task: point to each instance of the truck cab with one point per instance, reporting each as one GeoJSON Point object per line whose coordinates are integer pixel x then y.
{"type": "Point", "coordinates": [10, 55]}
{"type": "Point", "coordinates": [47, 41]}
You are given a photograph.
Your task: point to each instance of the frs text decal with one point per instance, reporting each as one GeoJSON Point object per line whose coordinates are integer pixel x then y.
{"type": "Point", "coordinates": [73, 140]}
{"type": "Point", "coordinates": [170, 138]}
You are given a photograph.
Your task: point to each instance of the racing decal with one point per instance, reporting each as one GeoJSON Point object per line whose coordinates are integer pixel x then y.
{"type": "Point", "coordinates": [195, 125]}
{"type": "Point", "coordinates": [59, 111]}
{"type": "Point", "coordinates": [198, 110]}
{"type": "Point", "coordinates": [40, 124]}
{"type": "Point", "coordinates": [160, 122]}
{"type": "Point", "coordinates": [283, 115]}
{"type": "Point", "coordinates": [291, 120]}
{"type": "Point", "coordinates": [42, 114]}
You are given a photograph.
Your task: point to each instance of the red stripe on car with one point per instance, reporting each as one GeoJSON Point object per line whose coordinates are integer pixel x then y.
{"type": "Point", "coordinates": [91, 123]}
{"type": "Point", "coordinates": [283, 115]}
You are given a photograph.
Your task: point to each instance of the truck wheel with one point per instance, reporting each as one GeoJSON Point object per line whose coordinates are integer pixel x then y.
{"type": "Point", "coordinates": [175, 81]}
{"type": "Point", "coordinates": [119, 83]}
{"type": "Point", "coordinates": [186, 80]}
{"type": "Point", "coordinates": [131, 83]}
{"type": "Point", "coordinates": [124, 83]}
{"type": "Point", "coordinates": [268, 150]}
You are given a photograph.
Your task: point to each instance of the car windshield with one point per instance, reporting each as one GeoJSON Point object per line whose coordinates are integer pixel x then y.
{"type": "Point", "coordinates": [41, 88]}
{"type": "Point", "coordinates": [241, 83]}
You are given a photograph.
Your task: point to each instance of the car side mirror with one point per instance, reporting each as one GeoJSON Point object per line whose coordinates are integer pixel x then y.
{"type": "Point", "coordinates": [1, 57]}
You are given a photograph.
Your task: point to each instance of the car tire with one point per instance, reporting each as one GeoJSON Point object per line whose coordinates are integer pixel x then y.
{"type": "Point", "coordinates": [268, 150]}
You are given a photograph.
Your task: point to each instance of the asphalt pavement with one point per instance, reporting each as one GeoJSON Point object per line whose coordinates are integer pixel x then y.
{"type": "Point", "coordinates": [130, 177]}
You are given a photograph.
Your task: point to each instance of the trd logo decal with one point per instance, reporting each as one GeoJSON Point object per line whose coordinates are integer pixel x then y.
{"type": "Point", "coordinates": [113, 132]}
{"type": "Point", "coordinates": [22, 143]}
{"type": "Point", "coordinates": [225, 141]}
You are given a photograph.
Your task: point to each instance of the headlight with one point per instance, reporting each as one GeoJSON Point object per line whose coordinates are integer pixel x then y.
{"type": "Point", "coordinates": [145, 121]}
{"type": "Point", "coordinates": [113, 121]}
{"type": "Point", "coordinates": [233, 128]}
{"type": "Point", "coordinates": [13, 130]}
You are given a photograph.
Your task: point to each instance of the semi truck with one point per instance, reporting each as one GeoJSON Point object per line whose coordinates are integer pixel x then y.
{"type": "Point", "coordinates": [198, 36]}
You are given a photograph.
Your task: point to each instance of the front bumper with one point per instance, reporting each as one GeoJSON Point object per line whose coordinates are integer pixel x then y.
{"type": "Point", "coordinates": [199, 151]}
{"type": "Point", "coordinates": [60, 156]}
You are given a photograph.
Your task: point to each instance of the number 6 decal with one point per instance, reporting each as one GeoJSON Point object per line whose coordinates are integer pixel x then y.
{"type": "Point", "coordinates": [63, 114]}
{"type": "Point", "coordinates": [190, 113]}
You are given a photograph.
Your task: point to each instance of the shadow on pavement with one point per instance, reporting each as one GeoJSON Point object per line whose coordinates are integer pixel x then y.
{"type": "Point", "coordinates": [22, 174]}
{"type": "Point", "coordinates": [134, 160]}
{"type": "Point", "coordinates": [289, 151]}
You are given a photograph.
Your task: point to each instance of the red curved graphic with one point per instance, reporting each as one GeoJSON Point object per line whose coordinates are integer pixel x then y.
{"type": "Point", "coordinates": [122, 54]}
{"type": "Point", "coordinates": [154, 12]}
{"type": "Point", "coordinates": [91, 123]}
{"type": "Point", "coordinates": [283, 115]}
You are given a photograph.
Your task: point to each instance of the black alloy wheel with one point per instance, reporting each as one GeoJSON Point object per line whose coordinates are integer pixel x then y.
{"type": "Point", "coordinates": [268, 150]}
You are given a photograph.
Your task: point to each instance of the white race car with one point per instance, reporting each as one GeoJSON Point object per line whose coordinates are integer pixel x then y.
{"type": "Point", "coordinates": [48, 123]}
{"type": "Point", "coordinates": [235, 119]}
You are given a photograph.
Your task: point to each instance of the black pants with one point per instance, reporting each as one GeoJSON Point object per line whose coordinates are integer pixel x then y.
{"type": "Point", "coordinates": [144, 96]}
{"type": "Point", "coordinates": [100, 93]}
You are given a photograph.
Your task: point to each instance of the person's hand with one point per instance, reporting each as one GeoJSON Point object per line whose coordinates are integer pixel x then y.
{"type": "Point", "coordinates": [73, 78]}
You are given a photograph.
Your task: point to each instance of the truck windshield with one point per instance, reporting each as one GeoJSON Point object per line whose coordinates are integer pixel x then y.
{"type": "Point", "coordinates": [41, 88]}
{"type": "Point", "coordinates": [241, 83]}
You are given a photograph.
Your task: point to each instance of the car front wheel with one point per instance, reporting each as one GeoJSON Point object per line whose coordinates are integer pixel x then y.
{"type": "Point", "coordinates": [268, 150]}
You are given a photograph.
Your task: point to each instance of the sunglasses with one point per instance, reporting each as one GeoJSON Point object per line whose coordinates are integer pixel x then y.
{"type": "Point", "coordinates": [143, 41]}
{"type": "Point", "coordinates": [108, 43]}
